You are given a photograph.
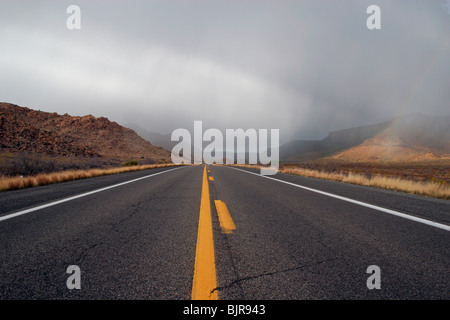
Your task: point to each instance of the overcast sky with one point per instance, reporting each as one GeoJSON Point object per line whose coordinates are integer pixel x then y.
{"type": "Point", "coordinates": [303, 67]}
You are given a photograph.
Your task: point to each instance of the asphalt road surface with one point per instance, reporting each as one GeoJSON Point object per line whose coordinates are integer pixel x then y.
{"type": "Point", "coordinates": [136, 236]}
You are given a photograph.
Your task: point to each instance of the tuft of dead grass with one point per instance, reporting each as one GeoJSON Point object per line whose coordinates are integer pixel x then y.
{"type": "Point", "coordinates": [19, 182]}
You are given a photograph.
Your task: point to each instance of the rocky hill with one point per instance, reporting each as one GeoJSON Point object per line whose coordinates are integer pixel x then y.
{"type": "Point", "coordinates": [409, 138]}
{"type": "Point", "coordinates": [23, 130]}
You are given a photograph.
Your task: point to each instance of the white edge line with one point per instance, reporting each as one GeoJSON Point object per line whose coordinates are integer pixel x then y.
{"type": "Point", "coordinates": [389, 211]}
{"type": "Point", "coordinates": [22, 212]}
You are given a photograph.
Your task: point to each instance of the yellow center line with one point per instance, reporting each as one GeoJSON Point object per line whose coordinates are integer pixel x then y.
{"type": "Point", "coordinates": [211, 178]}
{"type": "Point", "coordinates": [226, 222]}
{"type": "Point", "coordinates": [205, 282]}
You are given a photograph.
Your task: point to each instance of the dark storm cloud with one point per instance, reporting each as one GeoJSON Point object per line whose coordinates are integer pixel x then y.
{"type": "Point", "coordinates": [305, 67]}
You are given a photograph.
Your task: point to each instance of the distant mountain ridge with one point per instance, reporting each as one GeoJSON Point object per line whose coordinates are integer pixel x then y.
{"type": "Point", "coordinates": [413, 137]}
{"type": "Point", "coordinates": [156, 139]}
{"type": "Point", "coordinates": [25, 130]}
{"type": "Point", "coordinates": [298, 150]}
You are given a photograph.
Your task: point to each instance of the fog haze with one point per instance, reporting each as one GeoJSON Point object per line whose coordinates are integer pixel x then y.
{"type": "Point", "coordinates": [303, 67]}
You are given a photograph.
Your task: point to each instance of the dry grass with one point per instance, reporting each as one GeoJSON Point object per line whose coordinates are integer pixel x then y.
{"type": "Point", "coordinates": [435, 188]}
{"type": "Point", "coordinates": [426, 188]}
{"type": "Point", "coordinates": [12, 183]}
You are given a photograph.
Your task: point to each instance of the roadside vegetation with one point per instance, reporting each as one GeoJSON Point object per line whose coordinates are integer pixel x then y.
{"type": "Point", "coordinates": [436, 187]}
{"type": "Point", "coordinates": [432, 188]}
{"type": "Point", "coordinates": [20, 182]}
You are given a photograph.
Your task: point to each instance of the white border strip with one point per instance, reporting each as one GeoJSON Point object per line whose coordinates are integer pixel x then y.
{"type": "Point", "coordinates": [54, 203]}
{"type": "Point", "coordinates": [371, 206]}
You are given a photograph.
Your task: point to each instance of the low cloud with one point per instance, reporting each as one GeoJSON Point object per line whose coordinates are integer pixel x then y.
{"type": "Point", "coordinates": [304, 67]}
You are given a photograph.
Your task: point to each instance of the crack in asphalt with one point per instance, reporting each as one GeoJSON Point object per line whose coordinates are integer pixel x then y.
{"type": "Point", "coordinates": [114, 227]}
{"type": "Point", "coordinates": [238, 281]}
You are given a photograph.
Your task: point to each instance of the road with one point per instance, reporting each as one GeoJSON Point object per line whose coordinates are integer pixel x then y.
{"type": "Point", "coordinates": [140, 239]}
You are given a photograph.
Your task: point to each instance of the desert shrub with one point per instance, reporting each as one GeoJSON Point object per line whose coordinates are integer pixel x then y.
{"type": "Point", "coordinates": [129, 163]}
{"type": "Point", "coordinates": [438, 181]}
{"type": "Point", "coordinates": [27, 164]}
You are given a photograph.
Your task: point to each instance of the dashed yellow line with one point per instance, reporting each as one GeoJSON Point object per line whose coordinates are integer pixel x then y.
{"type": "Point", "coordinates": [205, 282]}
{"type": "Point", "coordinates": [226, 222]}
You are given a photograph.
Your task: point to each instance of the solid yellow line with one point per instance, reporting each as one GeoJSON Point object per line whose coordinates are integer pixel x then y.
{"type": "Point", "coordinates": [226, 222]}
{"type": "Point", "coordinates": [204, 281]}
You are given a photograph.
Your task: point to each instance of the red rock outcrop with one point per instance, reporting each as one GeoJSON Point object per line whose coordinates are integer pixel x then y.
{"type": "Point", "coordinates": [37, 132]}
